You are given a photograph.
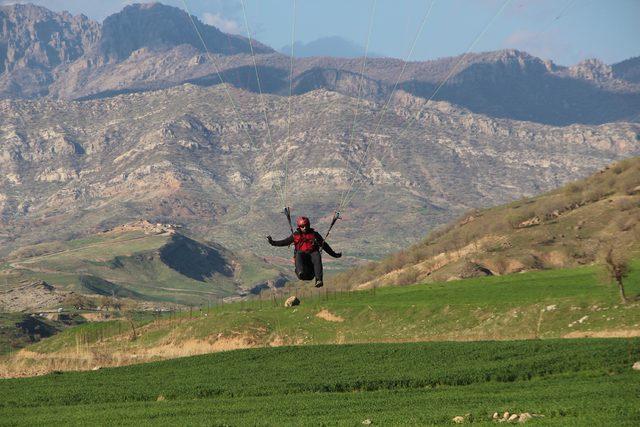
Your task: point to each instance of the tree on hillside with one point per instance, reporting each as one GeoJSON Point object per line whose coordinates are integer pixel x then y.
{"type": "Point", "coordinates": [618, 270]}
{"type": "Point", "coordinates": [79, 302]}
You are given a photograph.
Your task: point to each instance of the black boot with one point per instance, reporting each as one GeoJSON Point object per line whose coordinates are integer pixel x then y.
{"type": "Point", "coordinates": [319, 283]}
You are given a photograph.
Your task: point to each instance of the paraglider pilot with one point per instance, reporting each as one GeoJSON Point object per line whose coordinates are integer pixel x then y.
{"type": "Point", "coordinates": [307, 243]}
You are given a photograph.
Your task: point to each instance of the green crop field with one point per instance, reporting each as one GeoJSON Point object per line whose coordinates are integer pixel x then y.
{"type": "Point", "coordinates": [569, 382]}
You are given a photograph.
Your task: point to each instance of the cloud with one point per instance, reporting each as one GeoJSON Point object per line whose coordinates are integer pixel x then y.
{"type": "Point", "coordinates": [222, 23]}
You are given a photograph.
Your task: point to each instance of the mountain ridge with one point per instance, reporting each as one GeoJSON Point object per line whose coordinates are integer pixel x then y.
{"type": "Point", "coordinates": [131, 52]}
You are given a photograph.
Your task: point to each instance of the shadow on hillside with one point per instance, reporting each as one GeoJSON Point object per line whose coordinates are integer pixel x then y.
{"type": "Point", "coordinates": [194, 260]}
{"type": "Point", "coordinates": [272, 80]}
{"type": "Point", "coordinates": [542, 98]}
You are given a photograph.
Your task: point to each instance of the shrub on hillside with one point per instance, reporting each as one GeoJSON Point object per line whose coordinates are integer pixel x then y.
{"type": "Point", "coordinates": [626, 223]}
{"type": "Point", "coordinates": [408, 276]}
{"type": "Point", "coordinates": [550, 208]}
{"type": "Point", "coordinates": [628, 182]}
{"type": "Point", "coordinates": [79, 302]}
{"type": "Point", "coordinates": [419, 254]}
{"type": "Point", "coordinates": [594, 194]}
{"type": "Point", "coordinates": [533, 262]}
{"type": "Point", "coordinates": [618, 169]}
{"type": "Point", "coordinates": [626, 204]}
{"type": "Point", "coordinates": [502, 264]}
{"type": "Point", "coordinates": [517, 218]}
{"type": "Point", "coordinates": [573, 188]}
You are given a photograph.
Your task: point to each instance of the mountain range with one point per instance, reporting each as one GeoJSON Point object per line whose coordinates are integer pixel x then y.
{"type": "Point", "coordinates": [180, 155]}
{"type": "Point", "coordinates": [332, 46]}
{"type": "Point", "coordinates": [152, 46]}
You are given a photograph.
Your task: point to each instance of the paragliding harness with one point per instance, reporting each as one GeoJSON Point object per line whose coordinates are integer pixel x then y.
{"type": "Point", "coordinates": [336, 217]}
{"type": "Point", "coordinates": [307, 243]}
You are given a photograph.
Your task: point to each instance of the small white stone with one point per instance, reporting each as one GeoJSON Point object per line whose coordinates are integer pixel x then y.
{"type": "Point", "coordinates": [524, 417]}
{"type": "Point", "coordinates": [636, 366]}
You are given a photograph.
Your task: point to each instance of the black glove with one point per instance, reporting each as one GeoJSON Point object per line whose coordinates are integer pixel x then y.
{"type": "Point", "coordinates": [270, 240]}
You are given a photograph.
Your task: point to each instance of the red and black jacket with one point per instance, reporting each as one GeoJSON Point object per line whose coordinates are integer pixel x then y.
{"type": "Point", "coordinates": [309, 241]}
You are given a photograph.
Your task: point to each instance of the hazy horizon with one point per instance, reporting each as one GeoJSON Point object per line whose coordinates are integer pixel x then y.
{"type": "Point", "coordinates": [565, 32]}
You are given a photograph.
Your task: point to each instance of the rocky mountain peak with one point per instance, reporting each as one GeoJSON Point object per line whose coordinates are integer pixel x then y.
{"type": "Point", "coordinates": [157, 26]}
{"type": "Point", "coordinates": [592, 69]}
{"type": "Point", "coordinates": [35, 37]}
{"type": "Point", "coordinates": [25, 10]}
{"type": "Point", "coordinates": [518, 58]}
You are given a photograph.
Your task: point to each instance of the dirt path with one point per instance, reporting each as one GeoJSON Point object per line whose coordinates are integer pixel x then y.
{"type": "Point", "coordinates": [612, 333]}
{"type": "Point", "coordinates": [328, 316]}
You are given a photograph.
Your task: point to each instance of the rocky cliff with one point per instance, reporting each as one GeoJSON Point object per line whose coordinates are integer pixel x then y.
{"type": "Point", "coordinates": [183, 155]}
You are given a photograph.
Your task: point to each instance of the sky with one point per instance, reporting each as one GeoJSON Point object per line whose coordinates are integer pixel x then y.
{"type": "Point", "coordinates": [565, 31]}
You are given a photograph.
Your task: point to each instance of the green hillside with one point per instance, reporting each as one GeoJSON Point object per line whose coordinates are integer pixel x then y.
{"type": "Point", "coordinates": [571, 226]}
{"type": "Point", "coordinates": [544, 304]}
{"type": "Point", "coordinates": [556, 382]}
{"type": "Point", "coordinates": [140, 265]}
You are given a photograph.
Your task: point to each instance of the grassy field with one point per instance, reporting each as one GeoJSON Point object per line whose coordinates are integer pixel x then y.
{"type": "Point", "coordinates": [544, 304]}
{"type": "Point", "coordinates": [570, 382]}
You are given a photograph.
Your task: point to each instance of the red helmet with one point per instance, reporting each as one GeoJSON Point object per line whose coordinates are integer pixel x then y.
{"type": "Point", "coordinates": [303, 221]}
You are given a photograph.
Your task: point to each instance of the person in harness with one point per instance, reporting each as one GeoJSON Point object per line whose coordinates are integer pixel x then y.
{"type": "Point", "coordinates": [307, 244]}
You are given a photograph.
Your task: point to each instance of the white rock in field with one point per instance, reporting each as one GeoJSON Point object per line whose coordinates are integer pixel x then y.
{"type": "Point", "coordinates": [506, 415]}
{"type": "Point", "coordinates": [291, 301]}
{"type": "Point", "coordinates": [636, 366]}
{"type": "Point", "coordinates": [550, 307]}
{"type": "Point", "coordinates": [367, 422]}
{"type": "Point", "coordinates": [95, 368]}
{"type": "Point", "coordinates": [495, 416]}
{"type": "Point", "coordinates": [524, 417]}
{"type": "Point", "coordinates": [513, 417]}
{"type": "Point", "coordinates": [458, 420]}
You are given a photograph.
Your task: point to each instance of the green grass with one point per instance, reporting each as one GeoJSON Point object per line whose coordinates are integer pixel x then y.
{"type": "Point", "coordinates": [542, 304]}
{"type": "Point", "coordinates": [579, 382]}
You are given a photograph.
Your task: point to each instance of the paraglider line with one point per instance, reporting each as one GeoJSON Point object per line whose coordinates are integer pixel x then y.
{"type": "Point", "coordinates": [386, 106]}
{"type": "Point", "coordinates": [264, 106]}
{"type": "Point", "coordinates": [451, 72]}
